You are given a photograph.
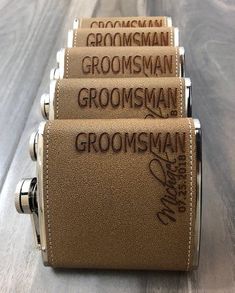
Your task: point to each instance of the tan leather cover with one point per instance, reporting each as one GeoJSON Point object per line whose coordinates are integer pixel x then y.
{"type": "Point", "coordinates": [119, 98]}
{"type": "Point", "coordinates": [163, 36]}
{"type": "Point", "coordinates": [96, 62]}
{"type": "Point", "coordinates": [115, 202]}
{"type": "Point", "coordinates": [135, 21]}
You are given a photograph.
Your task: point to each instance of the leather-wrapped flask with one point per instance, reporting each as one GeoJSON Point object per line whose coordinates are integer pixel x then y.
{"type": "Point", "coordinates": [124, 37]}
{"type": "Point", "coordinates": [109, 98]}
{"type": "Point", "coordinates": [116, 193]}
{"type": "Point", "coordinates": [117, 62]}
{"type": "Point", "coordinates": [119, 22]}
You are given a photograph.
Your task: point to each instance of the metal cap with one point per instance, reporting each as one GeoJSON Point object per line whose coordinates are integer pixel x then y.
{"type": "Point", "coordinates": [45, 105]}
{"type": "Point", "coordinates": [169, 21]}
{"type": "Point", "coordinates": [58, 56]}
{"type": "Point", "coordinates": [76, 23]}
{"type": "Point", "coordinates": [176, 37]}
{"type": "Point", "coordinates": [33, 142]}
{"type": "Point", "coordinates": [25, 196]}
{"type": "Point", "coordinates": [70, 39]}
{"type": "Point", "coordinates": [188, 97]}
{"type": "Point", "coordinates": [182, 61]}
{"type": "Point", "coordinates": [54, 73]}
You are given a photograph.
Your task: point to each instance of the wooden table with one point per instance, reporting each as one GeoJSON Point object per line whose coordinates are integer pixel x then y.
{"type": "Point", "coordinates": [31, 32]}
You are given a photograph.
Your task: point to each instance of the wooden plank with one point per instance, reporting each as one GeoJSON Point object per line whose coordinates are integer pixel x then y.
{"type": "Point", "coordinates": [120, 8]}
{"type": "Point", "coordinates": [28, 33]}
{"type": "Point", "coordinates": [207, 32]}
{"type": "Point", "coordinates": [21, 265]}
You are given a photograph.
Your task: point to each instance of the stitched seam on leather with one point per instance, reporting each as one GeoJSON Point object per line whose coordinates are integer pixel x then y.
{"type": "Point", "coordinates": [47, 197]}
{"type": "Point", "coordinates": [176, 63]}
{"type": "Point", "coordinates": [67, 63]}
{"type": "Point", "coordinates": [171, 41]}
{"type": "Point", "coordinates": [57, 99]}
{"type": "Point", "coordinates": [75, 38]}
{"type": "Point", "coordinates": [181, 98]}
{"type": "Point", "coordinates": [191, 196]}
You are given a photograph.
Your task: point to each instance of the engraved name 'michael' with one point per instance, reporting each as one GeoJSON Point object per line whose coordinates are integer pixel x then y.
{"type": "Point", "coordinates": [128, 39]}
{"type": "Point", "coordinates": [154, 65]}
{"type": "Point", "coordinates": [127, 23]}
{"type": "Point", "coordinates": [130, 142]}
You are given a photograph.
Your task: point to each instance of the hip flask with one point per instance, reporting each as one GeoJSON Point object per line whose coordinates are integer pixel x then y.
{"type": "Point", "coordinates": [118, 98]}
{"type": "Point", "coordinates": [123, 37]}
{"type": "Point", "coordinates": [119, 22]}
{"type": "Point", "coordinates": [116, 194]}
{"type": "Point", "coordinates": [119, 62]}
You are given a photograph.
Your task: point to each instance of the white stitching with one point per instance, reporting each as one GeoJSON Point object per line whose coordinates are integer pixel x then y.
{"type": "Point", "coordinates": [67, 64]}
{"type": "Point", "coordinates": [57, 99]}
{"type": "Point", "coordinates": [191, 196]}
{"type": "Point", "coordinates": [171, 41]}
{"type": "Point", "coordinates": [181, 98]}
{"type": "Point", "coordinates": [47, 196]}
{"type": "Point", "coordinates": [176, 63]}
{"type": "Point", "coordinates": [75, 39]}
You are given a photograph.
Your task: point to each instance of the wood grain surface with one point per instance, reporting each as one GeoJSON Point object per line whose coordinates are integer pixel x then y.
{"type": "Point", "coordinates": [31, 32]}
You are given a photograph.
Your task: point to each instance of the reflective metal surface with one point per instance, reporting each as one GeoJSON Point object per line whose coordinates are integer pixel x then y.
{"type": "Point", "coordinates": [54, 73]}
{"type": "Point", "coordinates": [188, 97]}
{"type": "Point", "coordinates": [60, 60]}
{"type": "Point", "coordinates": [70, 39]}
{"type": "Point", "coordinates": [176, 37]}
{"type": "Point", "coordinates": [45, 105]}
{"type": "Point", "coordinates": [47, 102]}
{"type": "Point", "coordinates": [197, 234]}
{"type": "Point", "coordinates": [29, 197]}
{"type": "Point", "coordinates": [25, 200]}
{"type": "Point", "coordinates": [40, 195]}
{"type": "Point", "coordinates": [76, 23]}
{"type": "Point", "coordinates": [169, 21]}
{"type": "Point", "coordinates": [33, 141]}
{"type": "Point", "coordinates": [182, 61]}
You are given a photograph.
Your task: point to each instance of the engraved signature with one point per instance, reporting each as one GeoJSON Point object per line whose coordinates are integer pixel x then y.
{"type": "Point", "coordinates": [165, 172]}
{"type": "Point", "coordinates": [154, 114]}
